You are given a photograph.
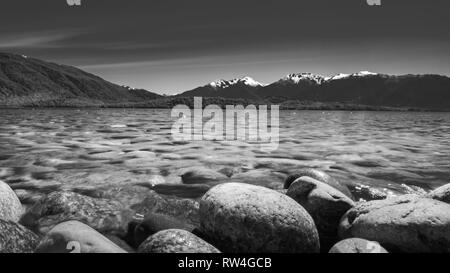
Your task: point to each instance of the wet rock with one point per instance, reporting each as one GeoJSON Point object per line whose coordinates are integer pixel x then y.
{"type": "Point", "coordinates": [357, 245]}
{"type": "Point", "coordinates": [175, 241]}
{"type": "Point", "coordinates": [76, 237]}
{"type": "Point", "coordinates": [15, 238]}
{"type": "Point", "coordinates": [441, 194]}
{"type": "Point", "coordinates": [229, 171]}
{"type": "Point", "coordinates": [412, 189]}
{"type": "Point", "coordinates": [182, 190]}
{"type": "Point", "coordinates": [10, 206]}
{"type": "Point", "coordinates": [322, 177]}
{"type": "Point", "coordinates": [186, 210]}
{"type": "Point", "coordinates": [246, 218]}
{"type": "Point", "coordinates": [201, 175]}
{"type": "Point", "coordinates": [408, 223]}
{"type": "Point", "coordinates": [155, 222]}
{"type": "Point", "coordinates": [324, 203]}
{"type": "Point", "coordinates": [104, 215]}
{"type": "Point", "coordinates": [366, 193]}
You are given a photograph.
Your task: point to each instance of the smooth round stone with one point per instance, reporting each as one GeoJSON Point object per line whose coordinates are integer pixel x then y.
{"type": "Point", "coordinates": [441, 194]}
{"type": "Point", "coordinates": [408, 223]}
{"type": "Point", "coordinates": [246, 218]}
{"type": "Point", "coordinates": [318, 175]}
{"type": "Point", "coordinates": [155, 222]}
{"type": "Point", "coordinates": [357, 245]}
{"type": "Point", "coordinates": [76, 237]}
{"type": "Point", "coordinates": [201, 175]}
{"type": "Point", "coordinates": [10, 206]}
{"type": "Point", "coordinates": [175, 241]}
{"type": "Point", "coordinates": [15, 238]}
{"type": "Point", "coordinates": [324, 203]}
{"type": "Point", "coordinates": [105, 215]}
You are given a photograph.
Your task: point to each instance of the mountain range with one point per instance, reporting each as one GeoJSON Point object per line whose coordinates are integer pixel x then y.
{"type": "Point", "coordinates": [29, 82]}
{"type": "Point", "coordinates": [363, 88]}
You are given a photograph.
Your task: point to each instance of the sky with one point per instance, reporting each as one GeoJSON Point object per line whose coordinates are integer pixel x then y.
{"type": "Point", "coordinates": [170, 46]}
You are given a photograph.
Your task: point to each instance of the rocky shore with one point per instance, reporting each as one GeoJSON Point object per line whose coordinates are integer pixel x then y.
{"type": "Point", "coordinates": [314, 213]}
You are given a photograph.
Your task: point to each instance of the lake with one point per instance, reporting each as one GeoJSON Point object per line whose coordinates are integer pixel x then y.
{"type": "Point", "coordinates": [68, 149]}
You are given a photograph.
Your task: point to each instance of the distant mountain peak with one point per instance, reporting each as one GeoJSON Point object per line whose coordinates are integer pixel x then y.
{"type": "Point", "coordinates": [305, 76]}
{"type": "Point", "coordinates": [248, 81]}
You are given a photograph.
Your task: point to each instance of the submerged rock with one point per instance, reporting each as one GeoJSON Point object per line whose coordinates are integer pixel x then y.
{"type": "Point", "coordinates": [320, 176]}
{"type": "Point", "coordinates": [324, 203]}
{"type": "Point", "coordinates": [175, 241]}
{"type": "Point", "coordinates": [76, 237]}
{"type": "Point", "coordinates": [104, 215]}
{"type": "Point", "coordinates": [441, 194]}
{"type": "Point", "coordinates": [407, 223]}
{"type": "Point", "coordinates": [357, 245]}
{"type": "Point", "coordinates": [155, 222]}
{"type": "Point", "coordinates": [202, 175]}
{"type": "Point", "coordinates": [246, 218]}
{"type": "Point", "coordinates": [15, 238]}
{"type": "Point", "coordinates": [10, 206]}
{"type": "Point", "coordinates": [367, 193]}
{"type": "Point", "coordinates": [185, 210]}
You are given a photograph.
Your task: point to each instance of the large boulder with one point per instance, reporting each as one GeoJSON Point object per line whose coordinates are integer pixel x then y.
{"type": "Point", "coordinates": [15, 238]}
{"type": "Point", "coordinates": [155, 222]}
{"type": "Point", "coordinates": [441, 194]}
{"type": "Point", "coordinates": [175, 241]}
{"type": "Point", "coordinates": [357, 245]}
{"type": "Point", "coordinates": [104, 215]}
{"type": "Point", "coordinates": [10, 206]}
{"type": "Point", "coordinates": [324, 203]}
{"type": "Point", "coordinates": [239, 217]}
{"type": "Point", "coordinates": [408, 223]}
{"type": "Point", "coordinates": [201, 175]}
{"type": "Point", "coordinates": [76, 237]}
{"type": "Point", "coordinates": [320, 176]}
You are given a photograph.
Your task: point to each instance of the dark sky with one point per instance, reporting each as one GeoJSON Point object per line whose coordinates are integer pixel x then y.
{"type": "Point", "coordinates": [169, 46]}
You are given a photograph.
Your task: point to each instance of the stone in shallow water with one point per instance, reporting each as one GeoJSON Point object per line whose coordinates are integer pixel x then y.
{"type": "Point", "coordinates": [357, 245]}
{"type": "Point", "coordinates": [239, 217]}
{"type": "Point", "coordinates": [201, 175]}
{"type": "Point", "coordinates": [183, 191]}
{"type": "Point", "coordinates": [367, 193]}
{"type": "Point", "coordinates": [175, 241]}
{"type": "Point", "coordinates": [324, 203]}
{"type": "Point", "coordinates": [185, 210]}
{"type": "Point", "coordinates": [321, 176]}
{"type": "Point", "coordinates": [104, 215]}
{"type": "Point", "coordinates": [76, 237]}
{"type": "Point", "coordinates": [10, 206]}
{"type": "Point", "coordinates": [408, 223]}
{"type": "Point", "coordinates": [441, 194]}
{"type": "Point", "coordinates": [15, 238]}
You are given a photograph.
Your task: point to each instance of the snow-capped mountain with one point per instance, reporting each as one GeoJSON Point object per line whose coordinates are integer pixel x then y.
{"type": "Point", "coordinates": [244, 87]}
{"type": "Point", "coordinates": [341, 76]}
{"type": "Point", "coordinates": [248, 81]}
{"type": "Point", "coordinates": [302, 77]}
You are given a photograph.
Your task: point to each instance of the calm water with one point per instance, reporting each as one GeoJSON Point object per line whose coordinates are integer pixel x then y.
{"type": "Point", "coordinates": [46, 150]}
